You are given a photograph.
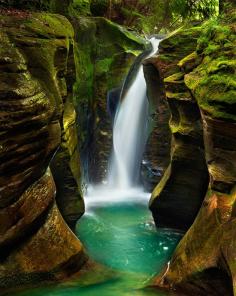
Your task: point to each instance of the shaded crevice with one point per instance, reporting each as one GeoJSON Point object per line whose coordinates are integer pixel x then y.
{"type": "Point", "coordinates": [6, 248]}
{"type": "Point", "coordinates": [157, 152]}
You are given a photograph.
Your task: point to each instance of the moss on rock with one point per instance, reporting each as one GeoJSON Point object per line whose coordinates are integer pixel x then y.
{"type": "Point", "coordinates": [204, 261]}
{"type": "Point", "coordinates": [35, 242]}
{"type": "Point", "coordinates": [213, 81]}
{"type": "Point", "coordinates": [104, 54]}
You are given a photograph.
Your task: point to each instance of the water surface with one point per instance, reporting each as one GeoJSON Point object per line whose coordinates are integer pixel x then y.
{"type": "Point", "coordinates": [120, 235]}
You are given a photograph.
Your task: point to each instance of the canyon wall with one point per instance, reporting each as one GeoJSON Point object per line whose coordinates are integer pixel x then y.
{"type": "Point", "coordinates": [204, 261]}
{"type": "Point", "coordinates": [104, 54]}
{"type": "Point", "coordinates": [178, 196]}
{"type": "Point", "coordinates": [50, 112]}
{"type": "Point", "coordinates": [35, 242]}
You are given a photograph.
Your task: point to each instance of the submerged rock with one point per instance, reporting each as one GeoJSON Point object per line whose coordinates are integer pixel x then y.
{"type": "Point", "coordinates": [35, 242]}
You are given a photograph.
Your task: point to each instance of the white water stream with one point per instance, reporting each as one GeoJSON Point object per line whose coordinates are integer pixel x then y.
{"type": "Point", "coordinates": [129, 139]}
{"type": "Point", "coordinates": [129, 132]}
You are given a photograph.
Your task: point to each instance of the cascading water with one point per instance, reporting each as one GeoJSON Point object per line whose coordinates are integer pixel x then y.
{"type": "Point", "coordinates": [129, 132]}
{"type": "Point", "coordinates": [129, 139]}
{"type": "Point", "coordinates": [117, 229]}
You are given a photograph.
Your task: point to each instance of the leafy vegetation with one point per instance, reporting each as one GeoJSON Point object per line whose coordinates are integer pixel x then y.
{"type": "Point", "coordinates": [144, 16]}
{"type": "Point", "coordinates": [156, 16]}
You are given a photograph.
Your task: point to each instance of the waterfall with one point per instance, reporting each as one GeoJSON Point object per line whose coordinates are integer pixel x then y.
{"type": "Point", "coordinates": [129, 139]}
{"type": "Point", "coordinates": [129, 132]}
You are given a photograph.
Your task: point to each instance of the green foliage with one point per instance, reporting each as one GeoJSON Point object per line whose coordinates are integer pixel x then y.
{"type": "Point", "coordinates": [144, 16]}
{"type": "Point", "coordinates": [26, 4]}
{"type": "Point", "coordinates": [213, 81]}
{"type": "Point", "coordinates": [200, 9]}
{"type": "Point", "coordinates": [79, 7]}
{"type": "Point", "coordinates": [99, 7]}
{"type": "Point", "coordinates": [150, 16]}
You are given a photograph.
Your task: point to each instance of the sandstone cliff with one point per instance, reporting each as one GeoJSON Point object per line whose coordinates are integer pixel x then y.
{"type": "Point", "coordinates": [204, 261]}
{"type": "Point", "coordinates": [35, 242]}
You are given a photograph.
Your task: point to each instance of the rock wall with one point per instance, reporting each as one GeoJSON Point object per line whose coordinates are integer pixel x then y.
{"type": "Point", "coordinates": [35, 242]}
{"type": "Point", "coordinates": [66, 164]}
{"type": "Point", "coordinates": [104, 54]}
{"type": "Point", "coordinates": [156, 156]}
{"type": "Point", "coordinates": [204, 261]}
{"type": "Point", "coordinates": [177, 198]}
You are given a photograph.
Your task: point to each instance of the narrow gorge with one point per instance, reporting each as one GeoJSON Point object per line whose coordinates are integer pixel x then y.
{"type": "Point", "coordinates": [117, 148]}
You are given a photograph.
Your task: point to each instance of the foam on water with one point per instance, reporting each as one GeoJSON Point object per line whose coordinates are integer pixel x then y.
{"type": "Point", "coordinates": [102, 196]}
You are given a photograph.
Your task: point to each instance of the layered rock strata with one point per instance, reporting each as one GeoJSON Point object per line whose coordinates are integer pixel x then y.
{"type": "Point", "coordinates": [35, 242]}
{"type": "Point", "coordinates": [204, 261]}
{"type": "Point", "coordinates": [177, 198]}
{"type": "Point", "coordinates": [66, 164]}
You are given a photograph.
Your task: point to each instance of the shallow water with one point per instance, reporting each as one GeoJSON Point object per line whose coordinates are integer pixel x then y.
{"type": "Point", "coordinates": [122, 237]}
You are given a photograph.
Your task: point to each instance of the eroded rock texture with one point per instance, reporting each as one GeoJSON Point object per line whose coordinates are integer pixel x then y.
{"type": "Point", "coordinates": [178, 196]}
{"type": "Point", "coordinates": [157, 151]}
{"type": "Point", "coordinates": [35, 242]}
{"type": "Point", "coordinates": [204, 261]}
{"type": "Point", "coordinates": [66, 164]}
{"type": "Point", "coordinates": [104, 54]}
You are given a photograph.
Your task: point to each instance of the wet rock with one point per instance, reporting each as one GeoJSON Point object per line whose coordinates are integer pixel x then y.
{"type": "Point", "coordinates": [104, 54]}
{"type": "Point", "coordinates": [66, 164]}
{"type": "Point", "coordinates": [177, 198]}
{"type": "Point", "coordinates": [35, 242]}
{"type": "Point", "coordinates": [157, 150]}
{"type": "Point", "coordinates": [204, 261]}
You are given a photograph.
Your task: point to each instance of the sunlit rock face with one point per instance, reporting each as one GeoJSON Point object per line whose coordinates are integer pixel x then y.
{"type": "Point", "coordinates": [204, 261]}
{"type": "Point", "coordinates": [177, 198]}
{"type": "Point", "coordinates": [35, 242]}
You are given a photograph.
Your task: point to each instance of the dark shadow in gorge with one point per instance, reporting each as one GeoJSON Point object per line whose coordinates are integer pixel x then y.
{"type": "Point", "coordinates": [156, 156]}
{"type": "Point", "coordinates": [180, 192]}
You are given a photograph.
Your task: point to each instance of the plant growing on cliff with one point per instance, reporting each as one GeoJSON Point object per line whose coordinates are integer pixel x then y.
{"type": "Point", "coordinates": [154, 16]}
{"type": "Point", "coordinates": [200, 9]}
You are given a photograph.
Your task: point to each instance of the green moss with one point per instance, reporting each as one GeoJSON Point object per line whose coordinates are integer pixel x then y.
{"type": "Point", "coordinates": [179, 95]}
{"type": "Point", "coordinates": [214, 35]}
{"type": "Point", "coordinates": [104, 52]}
{"type": "Point", "coordinates": [181, 128]}
{"type": "Point", "coordinates": [222, 65]}
{"type": "Point", "coordinates": [183, 38]}
{"type": "Point", "coordinates": [48, 25]}
{"type": "Point", "coordinates": [118, 35]}
{"type": "Point", "coordinates": [79, 7]}
{"type": "Point", "coordinates": [175, 77]}
{"type": "Point", "coordinates": [103, 66]}
{"type": "Point", "coordinates": [192, 56]}
{"type": "Point", "coordinates": [176, 47]}
{"type": "Point", "coordinates": [213, 80]}
{"type": "Point", "coordinates": [42, 36]}
{"type": "Point", "coordinates": [160, 186]}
